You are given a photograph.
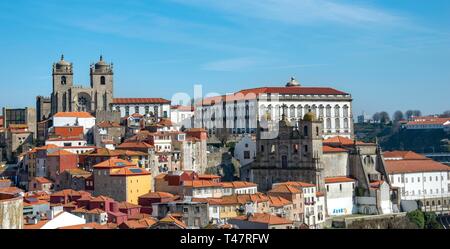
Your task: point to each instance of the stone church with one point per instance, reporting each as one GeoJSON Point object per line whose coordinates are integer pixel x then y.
{"type": "Point", "coordinates": [288, 151]}
{"type": "Point", "coordinates": [67, 97]}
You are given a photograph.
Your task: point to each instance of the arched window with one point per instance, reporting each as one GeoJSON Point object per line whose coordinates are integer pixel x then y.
{"type": "Point", "coordinates": [299, 111]}
{"type": "Point", "coordinates": [102, 80]}
{"type": "Point", "coordinates": [305, 130]}
{"type": "Point", "coordinates": [307, 108]}
{"type": "Point", "coordinates": [337, 123]}
{"type": "Point", "coordinates": [337, 110]}
{"type": "Point", "coordinates": [328, 123]}
{"type": "Point", "coordinates": [292, 111]}
{"type": "Point", "coordinates": [314, 109]}
{"type": "Point", "coordinates": [63, 80]}
{"type": "Point", "coordinates": [328, 111]}
{"type": "Point", "coordinates": [321, 108]}
{"type": "Point", "coordinates": [345, 123]}
{"type": "Point", "coordinates": [345, 110]}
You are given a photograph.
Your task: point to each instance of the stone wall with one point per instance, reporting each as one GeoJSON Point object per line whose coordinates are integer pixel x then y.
{"type": "Point", "coordinates": [11, 213]}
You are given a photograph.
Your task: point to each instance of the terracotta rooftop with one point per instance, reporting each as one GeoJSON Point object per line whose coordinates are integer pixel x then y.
{"type": "Point", "coordinates": [284, 188]}
{"type": "Point", "coordinates": [269, 219]}
{"type": "Point", "coordinates": [114, 163]}
{"type": "Point", "coordinates": [238, 184]}
{"type": "Point", "coordinates": [338, 140]}
{"type": "Point", "coordinates": [297, 184]}
{"type": "Point", "coordinates": [201, 184]}
{"type": "Point", "coordinates": [73, 114]}
{"type": "Point", "coordinates": [131, 144]}
{"type": "Point", "coordinates": [338, 179]}
{"type": "Point", "coordinates": [182, 108]}
{"type": "Point", "coordinates": [409, 155]}
{"type": "Point", "coordinates": [42, 180]}
{"type": "Point", "coordinates": [414, 166]}
{"type": "Point", "coordinates": [127, 205]}
{"type": "Point", "coordinates": [59, 153]}
{"type": "Point", "coordinates": [170, 219]}
{"type": "Point", "coordinates": [144, 223]}
{"type": "Point", "coordinates": [129, 171]}
{"type": "Point", "coordinates": [157, 195]}
{"type": "Point", "coordinates": [92, 225]}
{"type": "Point", "coordinates": [277, 201]}
{"type": "Point", "coordinates": [140, 101]}
{"type": "Point", "coordinates": [329, 149]}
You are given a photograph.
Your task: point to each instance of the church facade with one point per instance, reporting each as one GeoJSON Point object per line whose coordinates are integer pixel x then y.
{"type": "Point", "coordinates": [68, 97]}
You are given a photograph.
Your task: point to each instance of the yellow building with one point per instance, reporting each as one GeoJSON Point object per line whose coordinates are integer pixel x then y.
{"type": "Point", "coordinates": [121, 180]}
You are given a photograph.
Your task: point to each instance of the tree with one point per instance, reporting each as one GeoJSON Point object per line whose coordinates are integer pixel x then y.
{"type": "Point", "coordinates": [409, 114]}
{"type": "Point", "coordinates": [417, 113]}
{"type": "Point", "coordinates": [384, 117]}
{"type": "Point", "coordinates": [431, 221]}
{"type": "Point", "coordinates": [417, 218]}
{"type": "Point", "coordinates": [376, 117]}
{"type": "Point", "coordinates": [445, 114]}
{"type": "Point", "coordinates": [398, 115]}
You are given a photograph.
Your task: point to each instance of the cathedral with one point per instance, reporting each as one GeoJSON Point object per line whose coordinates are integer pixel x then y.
{"type": "Point", "coordinates": [67, 97]}
{"type": "Point", "coordinates": [288, 151]}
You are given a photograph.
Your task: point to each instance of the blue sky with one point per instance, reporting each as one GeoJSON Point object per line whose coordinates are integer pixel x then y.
{"type": "Point", "coordinates": [388, 54]}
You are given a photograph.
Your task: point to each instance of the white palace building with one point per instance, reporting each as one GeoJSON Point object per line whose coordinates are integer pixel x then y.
{"type": "Point", "coordinates": [238, 113]}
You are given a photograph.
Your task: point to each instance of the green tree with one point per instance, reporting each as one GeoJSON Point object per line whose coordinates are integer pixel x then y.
{"type": "Point", "coordinates": [417, 217]}
{"type": "Point", "coordinates": [431, 221]}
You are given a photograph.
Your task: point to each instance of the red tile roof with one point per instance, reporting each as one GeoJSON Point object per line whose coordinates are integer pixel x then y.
{"type": "Point", "coordinates": [409, 155]}
{"type": "Point", "coordinates": [92, 225]}
{"type": "Point", "coordinates": [413, 166]}
{"type": "Point", "coordinates": [140, 101]}
{"type": "Point", "coordinates": [172, 220]}
{"type": "Point", "coordinates": [73, 114]}
{"type": "Point", "coordinates": [114, 163]}
{"type": "Point", "coordinates": [268, 219]}
{"type": "Point", "coordinates": [238, 184]}
{"type": "Point", "coordinates": [297, 184]}
{"type": "Point", "coordinates": [42, 180]}
{"type": "Point", "coordinates": [338, 179]}
{"type": "Point", "coordinates": [428, 121]}
{"type": "Point", "coordinates": [284, 188]}
{"type": "Point", "coordinates": [338, 140]}
{"type": "Point", "coordinates": [277, 201]}
{"type": "Point", "coordinates": [249, 94]}
{"type": "Point", "coordinates": [201, 184]}
{"type": "Point", "coordinates": [134, 145]}
{"type": "Point", "coordinates": [129, 171]}
{"type": "Point", "coordinates": [182, 108]}
{"type": "Point", "coordinates": [329, 149]}
{"type": "Point", "coordinates": [157, 195]}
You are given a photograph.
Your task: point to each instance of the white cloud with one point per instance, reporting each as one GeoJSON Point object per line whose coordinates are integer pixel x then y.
{"type": "Point", "coordinates": [234, 64]}
{"type": "Point", "coordinates": [301, 11]}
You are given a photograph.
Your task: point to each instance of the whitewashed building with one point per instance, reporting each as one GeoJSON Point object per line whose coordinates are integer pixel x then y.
{"type": "Point", "coordinates": [84, 119]}
{"type": "Point", "coordinates": [154, 107]}
{"type": "Point", "coordinates": [239, 112]}
{"type": "Point", "coordinates": [245, 149]}
{"type": "Point", "coordinates": [182, 116]}
{"type": "Point", "coordinates": [420, 179]}
{"type": "Point", "coordinates": [427, 123]}
{"type": "Point", "coordinates": [340, 195]}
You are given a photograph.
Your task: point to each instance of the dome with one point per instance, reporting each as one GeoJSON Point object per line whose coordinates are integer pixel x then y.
{"type": "Point", "coordinates": [62, 62]}
{"type": "Point", "coordinates": [293, 82]}
{"type": "Point", "coordinates": [101, 63]}
{"type": "Point", "coordinates": [309, 117]}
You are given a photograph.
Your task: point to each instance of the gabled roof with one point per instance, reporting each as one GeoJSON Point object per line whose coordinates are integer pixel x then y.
{"type": "Point", "coordinates": [157, 195]}
{"type": "Point", "coordinates": [338, 179]}
{"type": "Point", "coordinates": [238, 184]}
{"type": "Point", "coordinates": [414, 166]}
{"type": "Point", "coordinates": [406, 155]}
{"type": "Point", "coordinates": [127, 205]}
{"type": "Point", "coordinates": [114, 163]}
{"type": "Point", "coordinates": [41, 180]}
{"type": "Point", "coordinates": [200, 184]}
{"type": "Point", "coordinates": [277, 201]}
{"type": "Point", "coordinates": [329, 149]}
{"type": "Point", "coordinates": [284, 188]}
{"type": "Point", "coordinates": [297, 184]}
{"type": "Point", "coordinates": [73, 115]}
{"type": "Point", "coordinates": [136, 144]}
{"type": "Point", "coordinates": [171, 220]}
{"type": "Point", "coordinates": [268, 219]}
{"type": "Point", "coordinates": [101, 198]}
{"type": "Point", "coordinates": [129, 171]}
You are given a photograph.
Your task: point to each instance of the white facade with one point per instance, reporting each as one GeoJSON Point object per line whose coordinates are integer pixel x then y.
{"type": "Point", "coordinates": [59, 218]}
{"type": "Point", "coordinates": [340, 198]}
{"type": "Point", "coordinates": [86, 123]}
{"type": "Point", "coordinates": [182, 116]}
{"type": "Point", "coordinates": [157, 109]}
{"type": "Point", "coordinates": [245, 150]}
{"type": "Point", "coordinates": [242, 110]}
{"type": "Point", "coordinates": [422, 185]}
{"type": "Point", "coordinates": [65, 142]}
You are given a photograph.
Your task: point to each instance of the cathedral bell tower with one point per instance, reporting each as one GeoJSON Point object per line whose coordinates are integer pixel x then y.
{"type": "Point", "coordinates": [312, 129]}
{"type": "Point", "coordinates": [102, 84]}
{"type": "Point", "coordinates": [62, 74]}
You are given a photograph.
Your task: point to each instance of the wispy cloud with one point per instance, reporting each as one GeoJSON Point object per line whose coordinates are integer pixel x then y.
{"type": "Point", "coordinates": [302, 11]}
{"type": "Point", "coordinates": [234, 64]}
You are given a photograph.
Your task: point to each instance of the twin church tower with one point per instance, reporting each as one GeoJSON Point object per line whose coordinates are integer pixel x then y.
{"type": "Point", "coordinates": [67, 97]}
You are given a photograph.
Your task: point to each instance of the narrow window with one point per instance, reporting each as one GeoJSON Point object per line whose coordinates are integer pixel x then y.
{"type": "Point", "coordinates": [103, 80]}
